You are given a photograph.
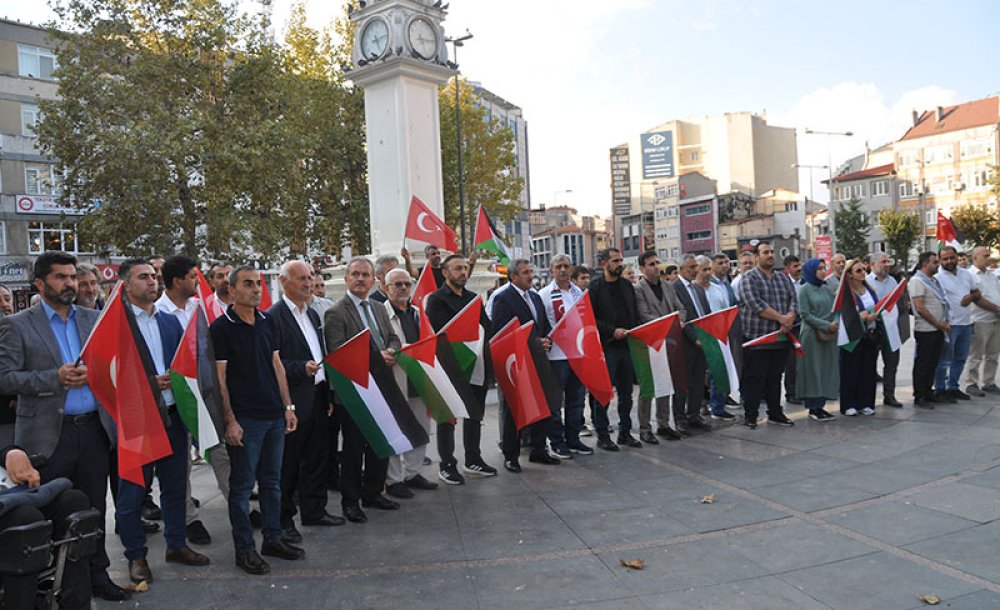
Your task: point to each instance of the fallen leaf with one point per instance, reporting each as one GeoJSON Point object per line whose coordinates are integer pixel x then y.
{"type": "Point", "coordinates": [635, 564]}
{"type": "Point", "coordinates": [142, 587]}
{"type": "Point", "coordinates": [709, 499]}
{"type": "Point", "coordinates": [930, 600]}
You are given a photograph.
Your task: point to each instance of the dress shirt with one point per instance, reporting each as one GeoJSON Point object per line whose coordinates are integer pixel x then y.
{"type": "Point", "coordinates": [957, 286]}
{"type": "Point", "coordinates": [728, 288]}
{"type": "Point", "coordinates": [184, 315]}
{"type": "Point", "coordinates": [882, 287]}
{"type": "Point", "coordinates": [320, 305]}
{"type": "Point", "coordinates": [309, 333]}
{"type": "Point", "coordinates": [989, 286]}
{"type": "Point", "coordinates": [78, 400]}
{"type": "Point", "coordinates": [718, 298]}
{"type": "Point", "coordinates": [149, 328]}
{"type": "Point", "coordinates": [365, 315]}
{"type": "Point", "coordinates": [527, 299]}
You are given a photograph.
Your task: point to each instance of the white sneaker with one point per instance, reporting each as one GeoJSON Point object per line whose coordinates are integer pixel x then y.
{"type": "Point", "coordinates": [868, 411]}
{"type": "Point", "coordinates": [851, 412]}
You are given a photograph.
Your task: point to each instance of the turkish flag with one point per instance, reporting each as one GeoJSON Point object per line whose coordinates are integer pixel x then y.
{"type": "Point", "coordinates": [424, 225]}
{"type": "Point", "coordinates": [265, 294]}
{"type": "Point", "coordinates": [213, 307]}
{"type": "Point", "coordinates": [120, 374]}
{"type": "Point", "coordinates": [576, 335]}
{"type": "Point", "coordinates": [425, 286]}
{"type": "Point", "coordinates": [517, 375]}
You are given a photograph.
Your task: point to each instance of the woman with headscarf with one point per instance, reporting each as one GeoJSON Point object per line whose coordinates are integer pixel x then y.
{"type": "Point", "coordinates": [857, 366]}
{"type": "Point", "coordinates": [817, 377]}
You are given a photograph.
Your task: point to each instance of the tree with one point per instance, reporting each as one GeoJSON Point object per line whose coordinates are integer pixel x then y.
{"type": "Point", "coordinates": [980, 223]}
{"type": "Point", "coordinates": [852, 229]}
{"type": "Point", "coordinates": [488, 161]}
{"type": "Point", "coordinates": [901, 230]}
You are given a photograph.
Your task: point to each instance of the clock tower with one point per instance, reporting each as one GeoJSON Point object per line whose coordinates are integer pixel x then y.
{"type": "Point", "coordinates": [400, 60]}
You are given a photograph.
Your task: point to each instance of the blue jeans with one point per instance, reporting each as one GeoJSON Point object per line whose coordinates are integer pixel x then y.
{"type": "Point", "coordinates": [622, 377]}
{"type": "Point", "coordinates": [956, 350]}
{"type": "Point", "coordinates": [716, 399]}
{"type": "Point", "coordinates": [258, 459]}
{"type": "Point", "coordinates": [172, 474]}
{"type": "Point", "coordinates": [573, 395]}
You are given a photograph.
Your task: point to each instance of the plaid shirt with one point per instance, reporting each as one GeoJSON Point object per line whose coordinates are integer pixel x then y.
{"type": "Point", "coordinates": [758, 292]}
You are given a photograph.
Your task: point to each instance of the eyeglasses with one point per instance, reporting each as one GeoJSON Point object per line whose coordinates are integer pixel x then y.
{"type": "Point", "coordinates": [401, 284]}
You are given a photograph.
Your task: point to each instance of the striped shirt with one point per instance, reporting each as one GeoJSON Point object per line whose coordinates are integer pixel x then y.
{"type": "Point", "coordinates": [759, 292]}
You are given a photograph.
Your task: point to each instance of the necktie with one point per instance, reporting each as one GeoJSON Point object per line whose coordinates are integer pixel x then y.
{"type": "Point", "coordinates": [557, 304]}
{"type": "Point", "coordinates": [372, 326]}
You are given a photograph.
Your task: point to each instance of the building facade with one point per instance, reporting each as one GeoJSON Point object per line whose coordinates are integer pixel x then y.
{"type": "Point", "coordinates": [562, 230]}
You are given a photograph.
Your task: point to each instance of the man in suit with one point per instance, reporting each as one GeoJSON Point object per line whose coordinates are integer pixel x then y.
{"type": "Point", "coordinates": [161, 334]}
{"type": "Point", "coordinates": [616, 311]}
{"type": "Point", "coordinates": [687, 407]}
{"type": "Point", "coordinates": [655, 298]}
{"type": "Point", "coordinates": [524, 304]}
{"type": "Point", "coordinates": [307, 450]}
{"type": "Point", "coordinates": [59, 423]}
{"type": "Point", "coordinates": [362, 473]}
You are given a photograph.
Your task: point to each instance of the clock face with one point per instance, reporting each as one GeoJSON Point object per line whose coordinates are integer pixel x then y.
{"type": "Point", "coordinates": [423, 38]}
{"type": "Point", "coordinates": [374, 39]}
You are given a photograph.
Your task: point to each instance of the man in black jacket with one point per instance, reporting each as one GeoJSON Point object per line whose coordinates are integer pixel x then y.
{"type": "Point", "coordinates": [616, 312]}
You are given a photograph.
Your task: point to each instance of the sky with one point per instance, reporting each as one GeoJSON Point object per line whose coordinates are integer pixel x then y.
{"type": "Point", "coordinates": [592, 74]}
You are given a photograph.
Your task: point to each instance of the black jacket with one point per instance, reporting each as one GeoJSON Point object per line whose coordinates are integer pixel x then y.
{"type": "Point", "coordinates": [295, 353]}
{"type": "Point", "coordinates": [605, 306]}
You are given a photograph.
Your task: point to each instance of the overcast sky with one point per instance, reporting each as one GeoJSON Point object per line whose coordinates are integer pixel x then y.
{"type": "Point", "coordinates": [590, 74]}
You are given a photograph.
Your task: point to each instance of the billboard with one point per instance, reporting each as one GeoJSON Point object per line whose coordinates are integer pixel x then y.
{"type": "Point", "coordinates": [824, 247]}
{"type": "Point", "coordinates": [621, 189]}
{"type": "Point", "coordinates": [43, 204]}
{"type": "Point", "coordinates": [657, 154]}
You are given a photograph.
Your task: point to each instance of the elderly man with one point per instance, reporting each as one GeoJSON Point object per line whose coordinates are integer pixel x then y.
{"type": "Point", "coordinates": [383, 265]}
{"type": "Point", "coordinates": [838, 263]}
{"type": "Point", "coordinates": [883, 283]}
{"type": "Point", "coordinates": [985, 331]}
{"type": "Point", "coordinates": [692, 295]}
{"type": "Point", "coordinates": [403, 474]}
{"type": "Point", "coordinates": [88, 284]}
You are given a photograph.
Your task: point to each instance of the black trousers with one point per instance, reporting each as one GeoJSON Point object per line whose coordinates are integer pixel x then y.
{"type": "Point", "coordinates": [333, 442]}
{"type": "Point", "coordinates": [857, 376]}
{"type": "Point", "coordinates": [305, 462]}
{"type": "Point", "coordinates": [82, 456]}
{"type": "Point", "coordinates": [362, 473]}
{"type": "Point", "coordinates": [929, 347]}
{"type": "Point", "coordinates": [472, 431]}
{"type": "Point", "coordinates": [687, 405]}
{"type": "Point", "coordinates": [890, 364]}
{"type": "Point", "coordinates": [510, 441]}
{"type": "Point", "coordinates": [761, 380]}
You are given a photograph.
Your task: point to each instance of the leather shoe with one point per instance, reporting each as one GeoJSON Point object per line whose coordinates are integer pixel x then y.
{"type": "Point", "coordinates": [186, 556]}
{"type": "Point", "coordinates": [419, 482]}
{"type": "Point", "coordinates": [138, 571]}
{"type": "Point", "coordinates": [629, 441]}
{"type": "Point", "coordinates": [150, 511]}
{"type": "Point", "coordinates": [380, 502]}
{"type": "Point", "coordinates": [668, 434]}
{"type": "Point", "coordinates": [109, 591]}
{"type": "Point", "coordinates": [512, 466]}
{"type": "Point", "coordinates": [354, 514]}
{"type": "Point", "coordinates": [699, 424]}
{"type": "Point", "coordinates": [890, 401]}
{"type": "Point", "coordinates": [398, 490]}
{"type": "Point", "coordinates": [326, 520]}
{"type": "Point", "coordinates": [543, 458]}
{"type": "Point", "coordinates": [252, 563]}
{"type": "Point", "coordinates": [197, 534]}
{"type": "Point", "coordinates": [282, 550]}
{"type": "Point", "coordinates": [648, 438]}
{"type": "Point", "coordinates": [607, 444]}
{"type": "Point", "coordinates": [148, 527]}
{"type": "Point", "coordinates": [290, 534]}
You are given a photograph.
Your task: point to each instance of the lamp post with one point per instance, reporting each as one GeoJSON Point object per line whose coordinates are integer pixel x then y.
{"type": "Point", "coordinates": [829, 167]}
{"type": "Point", "coordinates": [810, 168]}
{"type": "Point", "coordinates": [455, 43]}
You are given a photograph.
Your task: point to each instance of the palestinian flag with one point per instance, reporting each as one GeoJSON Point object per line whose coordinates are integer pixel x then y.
{"type": "Point", "coordinates": [852, 329]}
{"type": "Point", "coordinates": [487, 237]}
{"type": "Point", "coordinates": [777, 337]}
{"type": "Point", "coordinates": [213, 307]}
{"type": "Point", "coordinates": [432, 369]}
{"type": "Point", "coordinates": [195, 385]}
{"type": "Point", "coordinates": [518, 377]}
{"type": "Point", "coordinates": [425, 286]}
{"type": "Point", "coordinates": [120, 374]}
{"type": "Point", "coordinates": [947, 233]}
{"type": "Point", "coordinates": [655, 348]}
{"type": "Point", "coordinates": [576, 335]}
{"type": "Point", "coordinates": [365, 386]}
{"type": "Point", "coordinates": [888, 310]}
{"type": "Point", "coordinates": [467, 337]}
{"type": "Point", "coordinates": [713, 332]}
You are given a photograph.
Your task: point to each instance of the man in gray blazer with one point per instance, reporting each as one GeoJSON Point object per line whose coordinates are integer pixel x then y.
{"type": "Point", "coordinates": [60, 425]}
{"type": "Point", "coordinates": [655, 298]}
{"type": "Point", "coordinates": [362, 473]}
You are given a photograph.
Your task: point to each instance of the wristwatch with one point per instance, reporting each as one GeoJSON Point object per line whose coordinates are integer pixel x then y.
{"type": "Point", "coordinates": [290, 408]}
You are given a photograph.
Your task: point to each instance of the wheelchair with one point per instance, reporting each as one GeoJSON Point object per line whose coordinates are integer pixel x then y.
{"type": "Point", "coordinates": [30, 549]}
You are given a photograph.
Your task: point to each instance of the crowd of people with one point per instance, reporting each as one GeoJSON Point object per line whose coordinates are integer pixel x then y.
{"type": "Point", "coordinates": [287, 441]}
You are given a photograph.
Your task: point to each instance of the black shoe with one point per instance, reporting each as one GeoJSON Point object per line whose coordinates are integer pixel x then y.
{"type": "Point", "coordinates": [380, 502]}
{"type": "Point", "coordinates": [196, 502]}
{"type": "Point", "coordinates": [682, 432]}
{"type": "Point", "coordinates": [290, 534]}
{"type": "Point", "coordinates": [252, 563]}
{"type": "Point", "coordinates": [197, 534]}
{"type": "Point", "coordinates": [944, 397]}
{"type": "Point", "coordinates": [780, 420]}
{"type": "Point", "coordinates": [450, 475]}
{"type": "Point", "coordinates": [959, 394]}
{"type": "Point", "coordinates": [149, 527]}
{"type": "Point", "coordinates": [924, 403]}
{"type": "Point", "coordinates": [668, 434]}
{"type": "Point", "coordinates": [580, 448]}
{"type": "Point", "coordinates": [256, 521]}
{"type": "Point", "coordinates": [648, 438]}
{"type": "Point", "coordinates": [699, 424]}
{"type": "Point", "coordinates": [750, 423]}
{"type": "Point", "coordinates": [724, 416]}
{"type": "Point", "coordinates": [399, 490]}
{"type": "Point", "coordinates": [354, 514]}
{"type": "Point", "coordinates": [512, 466]}
{"type": "Point", "coordinates": [607, 444]}
{"type": "Point", "coordinates": [109, 591]}
{"type": "Point", "coordinates": [890, 401]}
{"type": "Point", "coordinates": [480, 468]}
{"type": "Point", "coordinates": [629, 441]}
{"type": "Point", "coordinates": [326, 520]}
{"type": "Point", "coordinates": [419, 482]}
{"type": "Point", "coordinates": [543, 458]}
{"type": "Point", "coordinates": [282, 550]}
{"type": "Point", "coordinates": [150, 511]}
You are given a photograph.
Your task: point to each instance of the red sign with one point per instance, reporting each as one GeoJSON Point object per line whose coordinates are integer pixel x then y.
{"type": "Point", "coordinates": [824, 247]}
{"type": "Point", "coordinates": [108, 273]}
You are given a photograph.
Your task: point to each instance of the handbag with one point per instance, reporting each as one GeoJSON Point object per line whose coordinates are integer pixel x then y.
{"type": "Point", "coordinates": [825, 335]}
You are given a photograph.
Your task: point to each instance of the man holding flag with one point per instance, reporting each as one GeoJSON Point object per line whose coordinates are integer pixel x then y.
{"type": "Point", "coordinates": [692, 296]}
{"type": "Point", "coordinates": [931, 323]}
{"type": "Point", "coordinates": [883, 284]}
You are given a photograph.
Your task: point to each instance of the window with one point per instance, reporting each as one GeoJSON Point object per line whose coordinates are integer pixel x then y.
{"type": "Point", "coordinates": [675, 253]}
{"type": "Point", "coordinates": [791, 206]}
{"type": "Point", "coordinates": [860, 191]}
{"type": "Point", "coordinates": [975, 148]}
{"type": "Point", "coordinates": [30, 116]}
{"type": "Point", "coordinates": [660, 193]}
{"type": "Point", "coordinates": [696, 235]}
{"type": "Point", "coordinates": [3, 237]}
{"type": "Point", "coordinates": [672, 211]}
{"type": "Point", "coordinates": [879, 246]}
{"type": "Point", "coordinates": [40, 180]}
{"type": "Point", "coordinates": [905, 190]}
{"type": "Point", "coordinates": [981, 178]}
{"type": "Point", "coordinates": [673, 233]}
{"type": "Point", "coordinates": [907, 157]}
{"type": "Point", "coordinates": [36, 62]}
{"type": "Point", "coordinates": [672, 190]}
{"type": "Point", "coordinates": [694, 155]}
{"type": "Point", "coordinates": [930, 217]}
{"type": "Point", "coordinates": [661, 235]}
{"type": "Point", "coordinates": [880, 188]}
{"type": "Point", "coordinates": [695, 210]}
{"type": "Point", "coordinates": [44, 236]}
{"type": "Point", "coordinates": [938, 154]}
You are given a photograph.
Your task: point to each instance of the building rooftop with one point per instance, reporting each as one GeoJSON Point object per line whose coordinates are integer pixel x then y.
{"type": "Point", "coordinates": [954, 118]}
{"type": "Point", "coordinates": [881, 170]}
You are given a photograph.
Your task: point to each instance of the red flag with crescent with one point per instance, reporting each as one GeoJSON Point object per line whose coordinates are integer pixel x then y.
{"type": "Point", "coordinates": [424, 225]}
{"type": "Point", "coordinates": [517, 375]}
{"type": "Point", "coordinates": [576, 335]}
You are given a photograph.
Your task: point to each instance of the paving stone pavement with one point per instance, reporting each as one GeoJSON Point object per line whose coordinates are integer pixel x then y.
{"type": "Point", "coordinates": [864, 512]}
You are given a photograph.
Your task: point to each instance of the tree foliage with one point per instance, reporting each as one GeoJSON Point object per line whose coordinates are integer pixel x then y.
{"type": "Point", "coordinates": [901, 230]}
{"type": "Point", "coordinates": [488, 160]}
{"type": "Point", "coordinates": [853, 229]}
{"type": "Point", "coordinates": [980, 223]}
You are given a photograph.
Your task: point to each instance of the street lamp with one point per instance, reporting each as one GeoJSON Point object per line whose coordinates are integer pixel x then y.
{"type": "Point", "coordinates": [555, 196]}
{"type": "Point", "coordinates": [810, 168]}
{"type": "Point", "coordinates": [829, 167]}
{"type": "Point", "coordinates": [455, 43]}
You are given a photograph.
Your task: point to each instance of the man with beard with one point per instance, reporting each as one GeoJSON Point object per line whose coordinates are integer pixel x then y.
{"type": "Point", "coordinates": [88, 286]}
{"type": "Point", "coordinates": [960, 287]}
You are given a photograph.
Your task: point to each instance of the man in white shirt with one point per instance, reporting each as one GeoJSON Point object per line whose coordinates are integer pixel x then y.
{"type": "Point", "coordinates": [985, 331]}
{"type": "Point", "coordinates": [883, 283]}
{"type": "Point", "coordinates": [960, 288]}
{"type": "Point", "coordinates": [746, 263]}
